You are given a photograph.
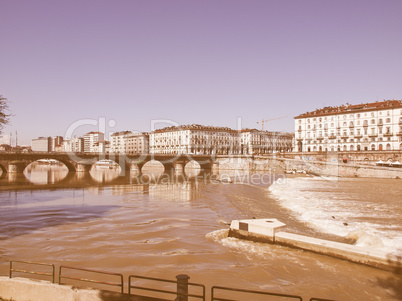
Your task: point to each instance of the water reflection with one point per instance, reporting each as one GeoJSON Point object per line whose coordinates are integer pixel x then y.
{"type": "Point", "coordinates": [104, 174]}
{"type": "Point", "coordinates": [192, 169]}
{"type": "Point", "coordinates": [42, 173]}
{"type": "Point", "coordinates": [153, 168]}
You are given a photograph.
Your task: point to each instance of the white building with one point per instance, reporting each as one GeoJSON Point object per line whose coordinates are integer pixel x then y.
{"type": "Point", "coordinates": [41, 144]}
{"type": "Point", "coordinates": [118, 142]}
{"type": "Point", "coordinates": [90, 140]}
{"type": "Point", "coordinates": [102, 147]}
{"type": "Point", "coordinates": [137, 143]}
{"type": "Point", "coordinates": [371, 126]}
{"type": "Point", "coordinates": [74, 145]}
{"type": "Point", "coordinates": [264, 142]}
{"type": "Point", "coordinates": [194, 139]}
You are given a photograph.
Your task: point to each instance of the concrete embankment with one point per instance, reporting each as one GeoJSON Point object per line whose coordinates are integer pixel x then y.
{"type": "Point", "coordinates": [22, 289]}
{"type": "Point", "coordinates": [265, 230]}
{"type": "Point", "coordinates": [330, 167]}
{"type": "Point", "coordinates": [335, 169]}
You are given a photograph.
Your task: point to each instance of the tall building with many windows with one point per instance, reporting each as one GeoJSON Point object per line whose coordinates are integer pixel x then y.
{"type": "Point", "coordinates": [90, 140]}
{"type": "Point", "coordinates": [74, 145]}
{"type": "Point", "coordinates": [118, 142]}
{"type": "Point", "coordinates": [373, 126]}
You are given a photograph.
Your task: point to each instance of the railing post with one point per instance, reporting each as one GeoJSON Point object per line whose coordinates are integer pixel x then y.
{"type": "Point", "coordinates": [182, 287]}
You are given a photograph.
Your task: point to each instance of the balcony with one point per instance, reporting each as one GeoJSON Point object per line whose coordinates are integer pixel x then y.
{"type": "Point", "coordinates": [399, 134]}
{"type": "Point", "coordinates": [388, 134]}
{"type": "Point", "coordinates": [373, 135]}
{"type": "Point", "coordinates": [320, 138]}
{"type": "Point", "coordinates": [358, 136]}
{"type": "Point", "coordinates": [332, 137]}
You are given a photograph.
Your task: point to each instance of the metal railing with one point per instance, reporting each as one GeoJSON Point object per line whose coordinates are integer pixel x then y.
{"type": "Point", "coordinates": [51, 274]}
{"type": "Point", "coordinates": [181, 292]}
{"type": "Point", "coordinates": [182, 287]}
{"type": "Point", "coordinates": [120, 284]}
{"type": "Point", "coordinates": [214, 290]}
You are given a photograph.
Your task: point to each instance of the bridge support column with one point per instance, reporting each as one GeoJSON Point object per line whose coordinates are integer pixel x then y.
{"type": "Point", "coordinates": [179, 169]}
{"type": "Point", "coordinates": [81, 167]}
{"type": "Point", "coordinates": [14, 167]}
{"type": "Point", "coordinates": [135, 170]}
{"type": "Point", "coordinates": [215, 168]}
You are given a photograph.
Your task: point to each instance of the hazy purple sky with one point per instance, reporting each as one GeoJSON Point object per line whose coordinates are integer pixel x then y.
{"type": "Point", "coordinates": [206, 62]}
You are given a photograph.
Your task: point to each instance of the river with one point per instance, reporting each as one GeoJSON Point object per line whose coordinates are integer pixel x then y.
{"type": "Point", "coordinates": [172, 227]}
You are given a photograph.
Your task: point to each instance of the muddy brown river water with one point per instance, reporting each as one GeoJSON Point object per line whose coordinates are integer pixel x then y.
{"type": "Point", "coordinates": [161, 230]}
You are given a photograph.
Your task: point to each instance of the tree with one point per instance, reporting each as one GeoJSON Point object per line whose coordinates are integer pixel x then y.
{"type": "Point", "coordinates": [4, 113]}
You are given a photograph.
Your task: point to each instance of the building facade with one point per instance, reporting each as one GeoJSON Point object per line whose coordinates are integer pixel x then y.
{"type": "Point", "coordinates": [194, 139]}
{"type": "Point", "coordinates": [197, 139]}
{"type": "Point", "coordinates": [102, 147]}
{"type": "Point", "coordinates": [371, 126]}
{"type": "Point", "coordinates": [255, 142]}
{"type": "Point", "coordinates": [137, 143]}
{"type": "Point", "coordinates": [118, 142]}
{"type": "Point", "coordinates": [74, 145]}
{"type": "Point", "coordinates": [90, 140]}
{"type": "Point", "coordinates": [41, 144]}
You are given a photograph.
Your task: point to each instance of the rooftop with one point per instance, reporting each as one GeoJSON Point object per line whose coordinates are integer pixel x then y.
{"type": "Point", "coordinates": [348, 108]}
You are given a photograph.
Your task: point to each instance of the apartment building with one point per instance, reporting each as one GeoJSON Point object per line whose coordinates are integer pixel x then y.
{"type": "Point", "coordinates": [41, 144]}
{"type": "Point", "coordinates": [375, 126]}
{"type": "Point", "coordinates": [102, 147]}
{"type": "Point", "coordinates": [74, 145]}
{"type": "Point", "coordinates": [194, 139]}
{"type": "Point", "coordinates": [137, 143]}
{"type": "Point", "coordinates": [118, 142]}
{"type": "Point", "coordinates": [56, 143]}
{"type": "Point", "coordinates": [90, 140]}
{"type": "Point", "coordinates": [199, 139]}
{"type": "Point", "coordinates": [264, 142]}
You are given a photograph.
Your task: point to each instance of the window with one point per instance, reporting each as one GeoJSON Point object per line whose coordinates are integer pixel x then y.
{"type": "Point", "coordinates": [372, 121]}
{"type": "Point", "coordinates": [388, 120]}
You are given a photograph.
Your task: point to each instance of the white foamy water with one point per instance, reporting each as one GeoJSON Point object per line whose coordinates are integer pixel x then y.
{"type": "Point", "coordinates": [368, 210]}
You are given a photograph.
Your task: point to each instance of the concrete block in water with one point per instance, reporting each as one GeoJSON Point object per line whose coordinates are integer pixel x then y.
{"type": "Point", "coordinates": [260, 230]}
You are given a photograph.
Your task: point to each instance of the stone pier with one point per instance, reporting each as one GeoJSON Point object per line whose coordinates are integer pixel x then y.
{"type": "Point", "coordinates": [265, 230]}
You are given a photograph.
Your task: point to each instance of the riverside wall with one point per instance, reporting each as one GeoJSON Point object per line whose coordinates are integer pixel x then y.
{"type": "Point", "coordinates": [330, 165]}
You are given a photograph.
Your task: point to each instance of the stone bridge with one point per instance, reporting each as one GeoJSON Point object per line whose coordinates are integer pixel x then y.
{"type": "Point", "coordinates": [82, 162]}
